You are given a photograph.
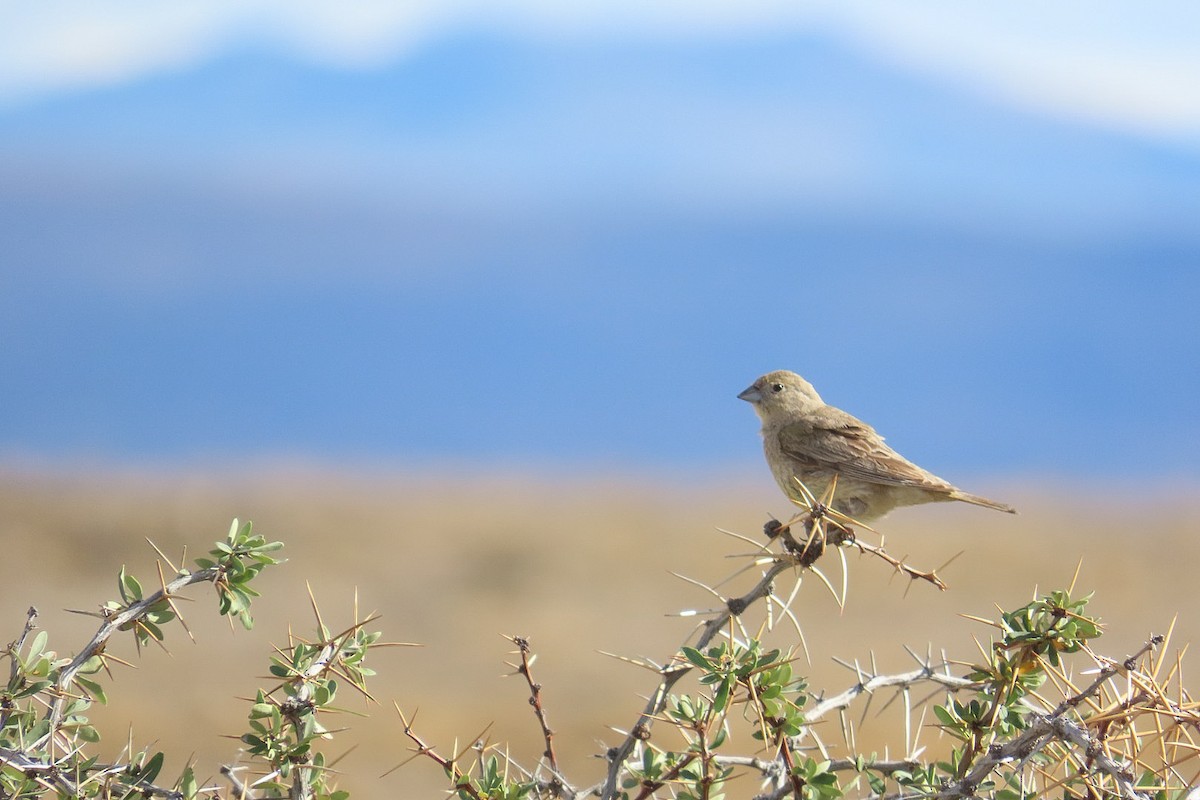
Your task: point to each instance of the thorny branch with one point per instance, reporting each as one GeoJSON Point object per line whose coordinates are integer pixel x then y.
{"type": "Point", "coordinates": [926, 674]}
{"type": "Point", "coordinates": [1057, 744]}
{"type": "Point", "coordinates": [1046, 729]}
{"type": "Point", "coordinates": [672, 673]}
{"type": "Point", "coordinates": [45, 731]}
{"type": "Point", "coordinates": [461, 781]}
{"type": "Point", "coordinates": [113, 622]}
{"type": "Point", "coordinates": [13, 651]}
{"type": "Point", "coordinates": [838, 533]}
{"type": "Point", "coordinates": [824, 529]}
{"type": "Point", "coordinates": [650, 787]}
{"type": "Point", "coordinates": [535, 700]}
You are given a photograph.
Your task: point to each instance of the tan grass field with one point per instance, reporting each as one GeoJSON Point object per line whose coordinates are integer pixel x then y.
{"type": "Point", "coordinates": [579, 564]}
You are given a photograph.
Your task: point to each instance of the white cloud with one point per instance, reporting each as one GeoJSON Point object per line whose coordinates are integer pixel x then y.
{"type": "Point", "coordinates": [52, 45]}
{"type": "Point", "coordinates": [1129, 65]}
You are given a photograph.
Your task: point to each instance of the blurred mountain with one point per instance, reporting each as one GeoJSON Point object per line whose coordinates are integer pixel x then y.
{"type": "Point", "coordinates": [519, 251]}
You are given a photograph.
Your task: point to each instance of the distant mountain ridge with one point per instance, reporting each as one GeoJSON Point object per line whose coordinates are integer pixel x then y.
{"type": "Point", "coordinates": [502, 250]}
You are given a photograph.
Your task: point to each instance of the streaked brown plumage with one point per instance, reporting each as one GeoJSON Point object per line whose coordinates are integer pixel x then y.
{"type": "Point", "coordinates": [806, 439]}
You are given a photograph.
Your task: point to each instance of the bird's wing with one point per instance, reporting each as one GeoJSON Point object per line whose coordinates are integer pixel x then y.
{"type": "Point", "coordinates": [838, 442]}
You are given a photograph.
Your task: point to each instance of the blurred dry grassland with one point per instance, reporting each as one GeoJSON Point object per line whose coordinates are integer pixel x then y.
{"type": "Point", "coordinates": [579, 564]}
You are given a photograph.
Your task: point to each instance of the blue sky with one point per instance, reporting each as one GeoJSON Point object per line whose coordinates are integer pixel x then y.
{"type": "Point", "coordinates": [568, 234]}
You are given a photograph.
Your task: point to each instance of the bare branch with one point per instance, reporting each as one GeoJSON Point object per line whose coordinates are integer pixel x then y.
{"type": "Point", "coordinates": [558, 784]}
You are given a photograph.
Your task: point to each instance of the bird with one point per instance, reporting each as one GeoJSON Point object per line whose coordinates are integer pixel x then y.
{"type": "Point", "coordinates": [809, 441]}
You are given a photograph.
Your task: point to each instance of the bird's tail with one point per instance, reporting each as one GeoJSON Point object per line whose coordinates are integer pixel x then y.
{"type": "Point", "coordinates": [975, 499]}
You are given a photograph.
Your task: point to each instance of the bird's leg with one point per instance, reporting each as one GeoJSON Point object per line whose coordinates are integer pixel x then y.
{"type": "Point", "coordinates": [814, 542]}
{"type": "Point", "coordinates": [835, 513]}
{"type": "Point", "coordinates": [839, 535]}
{"type": "Point", "coordinates": [837, 532]}
{"type": "Point", "coordinates": [806, 551]}
{"type": "Point", "coordinates": [822, 528]}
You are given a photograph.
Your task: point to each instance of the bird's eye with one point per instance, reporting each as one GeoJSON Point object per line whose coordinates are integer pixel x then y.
{"type": "Point", "coordinates": [776, 387]}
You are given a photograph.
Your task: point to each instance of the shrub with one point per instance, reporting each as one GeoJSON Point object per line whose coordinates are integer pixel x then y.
{"type": "Point", "coordinates": [1041, 712]}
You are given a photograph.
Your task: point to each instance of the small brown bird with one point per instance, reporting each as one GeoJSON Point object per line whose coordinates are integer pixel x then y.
{"type": "Point", "coordinates": [808, 440]}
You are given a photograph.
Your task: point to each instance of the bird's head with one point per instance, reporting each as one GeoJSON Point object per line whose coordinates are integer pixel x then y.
{"type": "Point", "coordinates": [781, 395]}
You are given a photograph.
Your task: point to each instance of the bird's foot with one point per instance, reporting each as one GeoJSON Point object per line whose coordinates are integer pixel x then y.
{"type": "Point", "coordinates": [838, 534]}
{"type": "Point", "coordinates": [773, 528]}
{"type": "Point", "coordinates": [820, 532]}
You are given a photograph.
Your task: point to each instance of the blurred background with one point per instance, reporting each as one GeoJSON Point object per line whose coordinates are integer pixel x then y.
{"type": "Point", "coordinates": [456, 297]}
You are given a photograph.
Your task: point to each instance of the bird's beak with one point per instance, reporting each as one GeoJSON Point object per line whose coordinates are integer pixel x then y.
{"type": "Point", "coordinates": [751, 395]}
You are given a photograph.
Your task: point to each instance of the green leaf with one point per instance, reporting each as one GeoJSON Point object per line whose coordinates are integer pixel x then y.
{"type": "Point", "coordinates": [37, 646]}
{"type": "Point", "coordinates": [719, 739]}
{"type": "Point", "coordinates": [697, 658]}
{"type": "Point", "coordinates": [92, 666]}
{"type": "Point", "coordinates": [721, 698]}
{"type": "Point", "coordinates": [32, 688]}
{"type": "Point", "coordinates": [148, 630]}
{"type": "Point", "coordinates": [256, 743]}
{"type": "Point", "coordinates": [93, 688]}
{"type": "Point", "coordinates": [188, 786]}
{"type": "Point", "coordinates": [235, 602]}
{"type": "Point", "coordinates": [152, 767]}
{"type": "Point", "coordinates": [260, 710]}
{"type": "Point", "coordinates": [131, 583]}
